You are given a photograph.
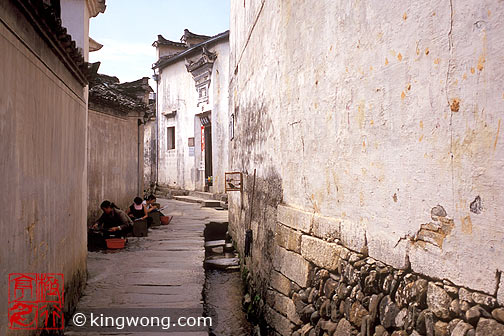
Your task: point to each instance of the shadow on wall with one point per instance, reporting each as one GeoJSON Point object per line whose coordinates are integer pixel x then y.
{"type": "Point", "coordinates": [267, 196]}
{"type": "Point", "coordinates": [253, 126]}
{"type": "Point", "coordinates": [256, 269]}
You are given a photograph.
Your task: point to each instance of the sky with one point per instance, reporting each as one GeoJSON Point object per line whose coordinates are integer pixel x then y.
{"type": "Point", "coordinates": [128, 28]}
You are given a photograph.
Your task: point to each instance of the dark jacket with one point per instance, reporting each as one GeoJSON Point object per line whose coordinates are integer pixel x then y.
{"type": "Point", "coordinates": [116, 218]}
{"type": "Point", "coordinates": [136, 213]}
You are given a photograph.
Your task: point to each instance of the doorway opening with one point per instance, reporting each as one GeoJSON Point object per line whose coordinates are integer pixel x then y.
{"type": "Point", "coordinates": [206, 139]}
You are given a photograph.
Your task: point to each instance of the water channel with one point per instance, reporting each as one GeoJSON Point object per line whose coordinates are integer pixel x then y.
{"type": "Point", "coordinates": [223, 291]}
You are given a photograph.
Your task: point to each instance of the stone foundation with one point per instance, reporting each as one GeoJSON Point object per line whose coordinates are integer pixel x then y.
{"type": "Point", "coordinates": [358, 295]}
{"type": "Point", "coordinates": [365, 297]}
{"type": "Point", "coordinates": [318, 286]}
{"type": "Point", "coordinates": [74, 288]}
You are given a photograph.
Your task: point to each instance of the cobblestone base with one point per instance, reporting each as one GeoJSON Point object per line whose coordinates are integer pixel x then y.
{"type": "Point", "coordinates": [364, 297]}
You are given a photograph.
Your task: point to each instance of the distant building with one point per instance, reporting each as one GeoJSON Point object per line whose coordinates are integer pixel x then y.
{"type": "Point", "coordinates": [75, 15]}
{"type": "Point", "coordinates": [192, 112]}
{"type": "Point", "coordinates": [117, 114]}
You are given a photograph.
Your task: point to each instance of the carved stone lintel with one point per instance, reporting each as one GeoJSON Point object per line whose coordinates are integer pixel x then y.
{"type": "Point", "coordinates": [201, 70]}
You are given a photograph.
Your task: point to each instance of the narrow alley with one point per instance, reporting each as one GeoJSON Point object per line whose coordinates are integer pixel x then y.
{"type": "Point", "coordinates": [160, 273]}
{"type": "Point", "coordinates": [251, 168]}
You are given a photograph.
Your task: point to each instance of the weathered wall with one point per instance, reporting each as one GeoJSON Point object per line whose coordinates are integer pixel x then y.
{"type": "Point", "coordinates": [149, 154]}
{"type": "Point", "coordinates": [43, 170]}
{"type": "Point", "coordinates": [177, 92]}
{"type": "Point", "coordinates": [219, 100]}
{"type": "Point", "coordinates": [371, 115]}
{"type": "Point", "coordinates": [113, 166]}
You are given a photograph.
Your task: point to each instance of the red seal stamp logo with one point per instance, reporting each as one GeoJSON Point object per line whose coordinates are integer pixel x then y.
{"type": "Point", "coordinates": [36, 301]}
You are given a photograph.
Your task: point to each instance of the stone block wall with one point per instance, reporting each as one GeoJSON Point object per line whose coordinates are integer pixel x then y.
{"type": "Point", "coordinates": [381, 124]}
{"type": "Point", "coordinates": [359, 295]}
{"type": "Point", "coordinates": [317, 286]}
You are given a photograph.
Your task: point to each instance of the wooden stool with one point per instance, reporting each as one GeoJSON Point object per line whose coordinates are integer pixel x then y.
{"type": "Point", "coordinates": [140, 228]}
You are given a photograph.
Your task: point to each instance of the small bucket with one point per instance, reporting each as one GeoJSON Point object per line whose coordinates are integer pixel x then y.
{"type": "Point", "coordinates": [115, 243]}
{"type": "Point", "coordinates": [165, 220]}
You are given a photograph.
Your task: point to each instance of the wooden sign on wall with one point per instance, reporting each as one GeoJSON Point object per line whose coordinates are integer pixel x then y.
{"type": "Point", "coordinates": [233, 181]}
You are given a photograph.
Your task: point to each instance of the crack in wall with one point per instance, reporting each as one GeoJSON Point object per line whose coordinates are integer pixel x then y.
{"type": "Point", "coordinates": [448, 70]}
{"type": "Point", "coordinates": [407, 262]}
{"type": "Point", "coordinates": [498, 275]}
{"type": "Point", "coordinates": [307, 195]}
{"type": "Point", "coordinates": [405, 237]}
{"type": "Point", "coordinates": [249, 36]}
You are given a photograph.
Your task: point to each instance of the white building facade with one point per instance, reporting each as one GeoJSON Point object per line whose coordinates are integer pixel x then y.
{"type": "Point", "coordinates": [192, 112]}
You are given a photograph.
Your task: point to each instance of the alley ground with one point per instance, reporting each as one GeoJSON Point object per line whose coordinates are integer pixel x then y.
{"type": "Point", "coordinates": [161, 271]}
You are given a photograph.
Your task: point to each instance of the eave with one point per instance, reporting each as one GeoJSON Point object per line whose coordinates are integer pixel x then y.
{"type": "Point", "coordinates": [162, 63]}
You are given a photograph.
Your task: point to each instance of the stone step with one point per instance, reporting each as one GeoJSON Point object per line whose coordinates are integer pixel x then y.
{"type": "Point", "coordinates": [202, 195]}
{"type": "Point", "coordinates": [215, 243]}
{"type": "Point", "coordinates": [167, 191]}
{"type": "Point", "coordinates": [224, 255]}
{"type": "Point", "coordinates": [215, 250]}
{"type": "Point", "coordinates": [203, 202]}
{"type": "Point", "coordinates": [223, 263]}
{"type": "Point", "coordinates": [211, 204]}
{"type": "Point", "coordinates": [209, 196]}
{"type": "Point", "coordinates": [188, 199]}
{"type": "Point", "coordinates": [229, 247]}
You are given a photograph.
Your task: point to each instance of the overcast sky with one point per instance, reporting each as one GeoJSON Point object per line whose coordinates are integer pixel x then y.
{"type": "Point", "coordinates": [128, 28]}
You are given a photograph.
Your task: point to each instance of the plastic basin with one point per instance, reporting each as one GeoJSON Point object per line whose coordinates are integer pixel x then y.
{"type": "Point", "coordinates": [115, 243]}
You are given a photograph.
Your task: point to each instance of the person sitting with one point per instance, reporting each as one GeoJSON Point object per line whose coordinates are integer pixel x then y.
{"type": "Point", "coordinates": [153, 207]}
{"type": "Point", "coordinates": [113, 221]}
{"type": "Point", "coordinates": [137, 210]}
{"type": "Point", "coordinates": [151, 204]}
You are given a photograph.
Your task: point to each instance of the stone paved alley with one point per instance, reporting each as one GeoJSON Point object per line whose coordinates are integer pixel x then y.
{"type": "Point", "coordinates": [163, 270]}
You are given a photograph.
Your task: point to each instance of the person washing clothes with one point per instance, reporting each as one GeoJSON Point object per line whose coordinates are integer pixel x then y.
{"type": "Point", "coordinates": [113, 221]}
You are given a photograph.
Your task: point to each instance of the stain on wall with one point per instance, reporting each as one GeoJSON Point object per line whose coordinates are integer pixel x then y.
{"type": "Point", "coordinates": [150, 153]}
{"type": "Point", "coordinates": [113, 168]}
{"type": "Point", "coordinates": [406, 106]}
{"type": "Point", "coordinates": [43, 117]}
{"type": "Point", "coordinates": [475, 205]}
